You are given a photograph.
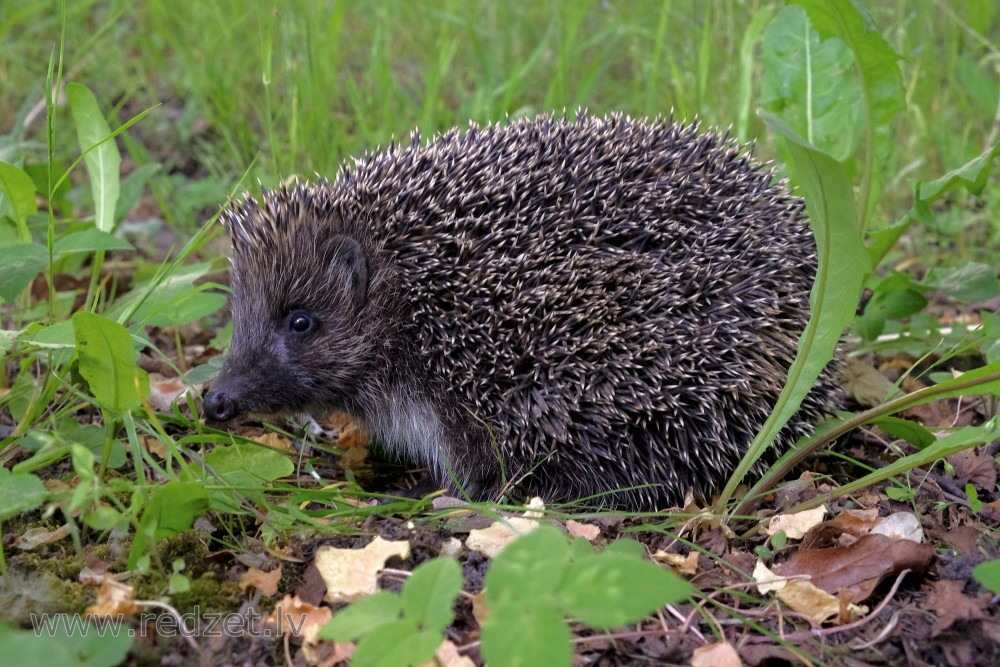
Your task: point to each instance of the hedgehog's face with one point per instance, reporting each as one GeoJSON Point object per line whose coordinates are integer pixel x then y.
{"type": "Point", "coordinates": [298, 341]}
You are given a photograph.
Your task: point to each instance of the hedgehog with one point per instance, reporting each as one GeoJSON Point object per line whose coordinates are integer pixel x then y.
{"type": "Point", "coordinates": [600, 309]}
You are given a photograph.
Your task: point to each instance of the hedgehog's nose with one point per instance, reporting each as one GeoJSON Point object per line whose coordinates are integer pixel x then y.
{"type": "Point", "coordinates": [220, 406]}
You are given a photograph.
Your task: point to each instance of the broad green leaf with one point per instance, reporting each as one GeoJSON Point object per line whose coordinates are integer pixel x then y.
{"type": "Point", "coordinates": [626, 547]}
{"type": "Point", "coordinates": [39, 173]}
{"type": "Point", "coordinates": [21, 263]}
{"type": "Point", "coordinates": [93, 438]}
{"type": "Point", "coordinates": [25, 393]}
{"type": "Point", "coordinates": [186, 308]}
{"type": "Point", "coordinates": [206, 372]}
{"type": "Point", "coordinates": [991, 339]}
{"type": "Point", "coordinates": [539, 557]}
{"type": "Point", "coordinates": [881, 86]}
{"type": "Point", "coordinates": [58, 339]}
{"type": "Point", "coordinates": [67, 640]}
{"type": "Point", "coordinates": [430, 592]}
{"type": "Point", "coordinates": [843, 265]}
{"type": "Point", "coordinates": [19, 493]}
{"type": "Point", "coordinates": [894, 297]}
{"type": "Point", "coordinates": [988, 575]}
{"type": "Point", "coordinates": [877, 62]}
{"type": "Point", "coordinates": [247, 467]}
{"type": "Point", "coordinates": [89, 240]}
{"type": "Point", "coordinates": [103, 517]}
{"type": "Point", "coordinates": [749, 66]}
{"type": "Point", "coordinates": [972, 176]}
{"type": "Point", "coordinates": [881, 241]}
{"type": "Point", "coordinates": [364, 616]}
{"type": "Point", "coordinates": [172, 509]}
{"type": "Point", "coordinates": [965, 281]}
{"type": "Point", "coordinates": [581, 548]}
{"type": "Point", "coordinates": [103, 159]}
{"type": "Point", "coordinates": [612, 590]}
{"type": "Point", "coordinates": [179, 583]}
{"type": "Point", "coordinates": [907, 430]}
{"type": "Point", "coordinates": [779, 539]}
{"type": "Point", "coordinates": [7, 340]}
{"type": "Point", "coordinates": [107, 360]}
{"type": "Point", "coordinates": [17, 197]}
{"type": "Point", "coordinates": [23, 647]}
{"type": "Point", "coordinates": [810, 83]}
{"type": "Point", "coordinates": [517, 636]}
{"type": "Point", "coordinates": [83, 465]}
{"type": "Point", "coordinates": [396, 644]}
{"type": "Point", "coordinates": [149, 299]}
{"type": "Point", "coordinates": [93, 648]}
{"type": "Point", "coordinates": [131, 189]}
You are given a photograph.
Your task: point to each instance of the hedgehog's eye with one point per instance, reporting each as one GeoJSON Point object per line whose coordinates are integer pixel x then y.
{"type": "Point", "coordinates": [301, 323]}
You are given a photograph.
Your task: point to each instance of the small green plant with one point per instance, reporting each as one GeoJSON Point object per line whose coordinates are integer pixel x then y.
{"type": "Point", "coordinates": [400, 629]}
{"type": "Point", "coordinates": [776, 541]}
{"type": "Point", "coordinates": [69, 640]}
{"type": "Point", "coordinates": [532, 586]}
{"type": "Point", "coordinates": [540, 579]}
{"type": "Point", "coordinates": [988, 574]}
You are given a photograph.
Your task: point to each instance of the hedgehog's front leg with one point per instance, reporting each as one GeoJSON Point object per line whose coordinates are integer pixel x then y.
{"type": "Point", "coordinates": [420, 430]}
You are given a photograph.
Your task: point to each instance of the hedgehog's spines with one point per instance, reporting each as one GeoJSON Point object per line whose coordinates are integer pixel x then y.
{"type": "Point", "coordinates": [620, 299]}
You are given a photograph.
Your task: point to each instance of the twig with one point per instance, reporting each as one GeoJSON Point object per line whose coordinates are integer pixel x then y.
{"type": "Point", "coordinates": [184, 631]}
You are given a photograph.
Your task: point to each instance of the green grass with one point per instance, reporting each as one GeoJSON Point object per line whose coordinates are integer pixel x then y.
{"type": "Point", "coordinates": [300, 85]}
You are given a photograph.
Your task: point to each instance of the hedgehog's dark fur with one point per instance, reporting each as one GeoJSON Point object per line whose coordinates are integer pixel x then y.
{"type": "Point", "coordinates": [617, 300]}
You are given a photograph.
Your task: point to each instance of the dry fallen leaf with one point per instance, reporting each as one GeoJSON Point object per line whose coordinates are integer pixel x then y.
{"type": "Point", "coordinates": [900, 526]}
{"type": "Point", "coordinates": [452, 547]}
{"type": "Point", "coordinates": [299, 619]}
{"type": "Point", "coordinates": [979, 470]}
{"type": "Point", "coordinates": [351, 574]}
{"type": "Point", "coordinates": [950, 604]}
{"type": "Point", "coordinates": [716, 655]}
{"type": "Point", "coordinates": [448, 656]}
{"type": "Point", "coordinates": [865, 384]}
{"type": "Point", "coordinates": [854, 571]}
{"type": "Point", "coordinates": [537, 505]}
{"type": "Point", "coordinates": [35, 537]}
{"type": "Point", "coordinates": [764, 577]}
{"type": "Point", "coordinates": [354, 458]}
{"type": "Point", "coordinates": [113, 599]}
{"type": "Point", "coordinates": [855, 522]}
{"type": "Point", "coordinates": [681, 564]}
{"type": "Point", "coordinates": [164, 391]}
{"type": "Point", "coordinates": [265, 582]}
{"type": "Point", "coordinates": [94, 572]}
{"type": "Point", "coordinates": [491, 540]}
{"type": "Point", "coordinates": [587, 531]}
{"type": "Point", "coordinates": [275, 441]}
{"type": "Point", "coordinates": [805, 598]}
{"type": "Point", "coordinates": [328, 654]}
{"type": "Point", "coordinates": [796, 525]}
{"type": "Point", "coordinates": [349, 431]}
{"type": "Point", "coordinates": [479, 609]}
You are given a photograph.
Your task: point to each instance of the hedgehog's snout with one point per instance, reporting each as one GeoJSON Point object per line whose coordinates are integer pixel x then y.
{"type": "Point", "coordinates": [221, 405]}
{"type": "Point", "coordinates": [227, 397]}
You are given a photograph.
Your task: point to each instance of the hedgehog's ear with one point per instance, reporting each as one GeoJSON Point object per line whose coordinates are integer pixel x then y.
{"type": "Point", "coordinates": [349, 260]}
